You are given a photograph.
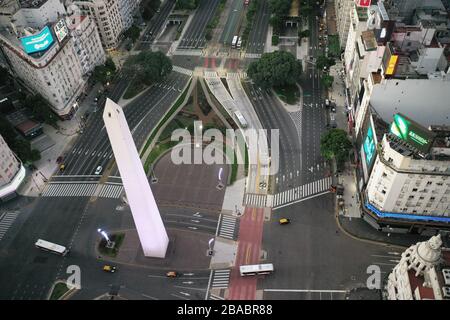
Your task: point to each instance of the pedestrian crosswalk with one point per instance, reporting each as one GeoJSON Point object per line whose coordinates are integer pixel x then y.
{"type": "Point", "coordinates": [255, 200]}
{"type": "Point", "coordinates": [69, 190]}
{"type": "Point", "coordinates": [228, 227]}
{"type": "Point", "coordinates": [111, 191]}
{"type": "Point", "coordinates": [82, 189]}
{"type": "Point", "coordinates": [187, 52]}
{"type": "Point", "coordinates": [253, 55]}
{"type": "Point", "coordinates": [210, 74]}
{"type": "Point", "coordinates": [182, 70]}
{"type": "Point", "coordinates": [301, 192]}
{"type": "Point", "coordinates": [220, 279]}
{"type": "Point", "coordinates": [215, 297]}
{"type": "Point", "coordinates": [6, 221]}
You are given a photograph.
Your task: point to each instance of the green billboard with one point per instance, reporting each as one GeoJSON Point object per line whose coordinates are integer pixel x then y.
{"type": "Point", "coordinates": [411, 132]}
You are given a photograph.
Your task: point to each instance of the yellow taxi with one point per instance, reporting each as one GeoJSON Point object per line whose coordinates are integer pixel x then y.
{"type": "Point", "coordinates": [284, 221]}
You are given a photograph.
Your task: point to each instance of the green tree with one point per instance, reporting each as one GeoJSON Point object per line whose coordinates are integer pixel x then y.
{"type": "Point", "coordinates": [280, 7]}
{"type": "Point", "coordinates": [4, 76]}
{"type": "Point", "coordinates": [186, 4]}
{"type": "Point", "coordinates": [277, 68]}
{"type": "Point", "coordinates": [104, 73]}
{"type": "Point", "coordinates": [327, 81]}
{"type": "Point", "coordinates": [41, 110]}
{"type": "Point", "coordinates": [133, 33]}
{"type": "Point", "coordinates": [149, 8]}
{"type": "Point", "coordinates": [148, 67]}
{"type": "Point", "coordinates": [23, 150]}
{"type": "Point", "coordinates": [323, 61]}
{"type": "Point", "coordinates": [335, 145]}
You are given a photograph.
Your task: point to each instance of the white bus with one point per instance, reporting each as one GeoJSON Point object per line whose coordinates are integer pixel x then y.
{"type": "Point", "coordinates": [241, 119]}
{"type": "Point", "coordinates": [255, 269]}
{"type": "Point", "coordinates": [52, 247]}
{"type": "Point", "coordinates": [234, 42]}
{"type": "Point", "coordinates": [239, 43]}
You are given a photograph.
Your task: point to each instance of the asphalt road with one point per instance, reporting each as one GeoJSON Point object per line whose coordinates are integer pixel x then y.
{"type": "Point", "coordinates": [155, 25]}
{"type": "Point", "coordinates": [311, 253]}
{"type": "Point", "coordinates": [314, 115]}
{"type": "Point", "coordinates": [194, 37]}
{"type": "Point", "coordinates": [233, 22]}
{"type": "Point", "coordinates": [273, 116]}
{"type": "Point", "coordinates": [73, 222]}
{"type": "Point", "coordinates": [258, 34]}
{"type": "Point", "coordinates": [93, 149]}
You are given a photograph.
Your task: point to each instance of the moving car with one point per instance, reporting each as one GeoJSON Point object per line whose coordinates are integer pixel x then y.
{"type": "Point", "coordinates": [108, 268]}
{"type": "Point", "coordinates": [284, 221]}
{"type": "Point", "coordinates": [98, 170]}
{"type": "Point", "coordinates": [62, 167]}
{"type": "Point", "coordinates": [172, 274]}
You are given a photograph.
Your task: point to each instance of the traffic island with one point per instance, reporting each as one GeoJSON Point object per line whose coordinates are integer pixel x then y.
{"type": "Point", "coordinates": [186, 250]}
{"type": "Point", "coordinates": [60, 291]}
{"type": "Point", "coordinates": [111, 247]}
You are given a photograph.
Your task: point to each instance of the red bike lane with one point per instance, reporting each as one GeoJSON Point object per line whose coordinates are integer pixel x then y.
{"type": "Point", "coordinates": [248, 252]}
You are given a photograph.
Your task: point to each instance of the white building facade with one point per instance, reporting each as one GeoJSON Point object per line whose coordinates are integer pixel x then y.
{"type": "Point", "coordinates": [423, 273]}
{"type": "Point", "coordinates": [12, 173]}
{"type": "Point", "coordinates": [112, 17]}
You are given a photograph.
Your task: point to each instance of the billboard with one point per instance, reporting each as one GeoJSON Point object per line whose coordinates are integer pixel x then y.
{"type": "Point", "coordinates": [411, 132]}
{"type": "Point", "coordinates": [391, 65]}
{"type": "Point", "coordinates": [61, 30]}
{"type": "Point", "coordinates": [363, 3]}
{"type": "Point", "coordinates": [37, 42]}
{"type": "Point", "coordinates": [369, 145]}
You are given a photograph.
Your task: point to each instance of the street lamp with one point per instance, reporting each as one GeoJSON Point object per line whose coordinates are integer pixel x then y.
{"type": "Point", "coordinates": [109, 243]}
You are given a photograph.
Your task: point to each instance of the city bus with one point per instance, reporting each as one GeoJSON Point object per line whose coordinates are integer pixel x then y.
{"type": "Point", "coordinates": [238, 45]}
{"type": "Point", "coordinates": [234, 42]}
{"type": "Point", "coordinates": [255, 269]}
{"type": "Point", "coordinates": [241, 119]}
{"type": "Point", "coordinates": [52, 247]}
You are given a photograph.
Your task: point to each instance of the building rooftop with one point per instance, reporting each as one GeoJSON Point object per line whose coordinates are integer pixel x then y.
{"type": "Point", "coordinates": [31, 3]}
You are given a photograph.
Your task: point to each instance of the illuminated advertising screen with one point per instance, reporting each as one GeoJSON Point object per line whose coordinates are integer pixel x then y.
{"type": "Point", "coordinates": [61, 30]}
{"type": "Point", "coordinates": [363, 3]}
{"type": "Point", "coordinates": [369, 145]}
{"type": "Point", "coordinates": [391, 65]}
{"type": "Point", "coordinates": [37, 42]}
{"type": "Point", "coordinates": [411, 132]}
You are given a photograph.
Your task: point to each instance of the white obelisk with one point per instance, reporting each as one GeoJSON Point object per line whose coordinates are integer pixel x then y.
{"type": "Point", "coordinates": [149, 225]}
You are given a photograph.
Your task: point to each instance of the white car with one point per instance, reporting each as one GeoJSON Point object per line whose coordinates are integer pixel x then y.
{"type": "Point", "coordinates": [98, 170]}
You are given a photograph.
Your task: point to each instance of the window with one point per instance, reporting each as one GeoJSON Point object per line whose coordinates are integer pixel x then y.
{"type": "Point", "coordinates": [429, 183]}
{"type": "Point", "coordinates": [414, 190]}
{"type": "Point", "coordinates": [411, 197]}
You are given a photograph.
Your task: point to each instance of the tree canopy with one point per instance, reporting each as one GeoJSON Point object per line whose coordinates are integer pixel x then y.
{"type": "Point", "coordinates": [149, 8]}
{"type": "Point", "coordinates": [186, 4]}
{"type": "Point", "coordinates": [277, 68]}
{"type": "Point", "coordinates": [327, 81]}
{"type": "Point", "coordinates": [148, 67]}
{"type": "Point", "coordinates": [280, 7]}
{"type": "Point", "coordinates": [133, 33]}
{"type": "Point", "coordinates": [104, 73]}
{"type": "Point", "coordinates": [20, 146]}
{"type": "Point", "coordinates": [335, 145]}
{"type": "Point", "coordinates": [323, 61]}
{"type": "Point", "coordinates": [40, 109]}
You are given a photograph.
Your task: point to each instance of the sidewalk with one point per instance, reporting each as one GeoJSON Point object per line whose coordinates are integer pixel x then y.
{"type": "Point", "coordinates": [350, 218]}
{"type": "Point", "coordinates": [63, 138]}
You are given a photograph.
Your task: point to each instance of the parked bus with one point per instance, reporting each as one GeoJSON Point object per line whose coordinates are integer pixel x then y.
{"type": "Point", "coordinates": [255, 269]}
{"type": "Point", "coordinates": [52, 247]}
{"type": "Point", "coordinates": [241, 119]}
{"type": "Point", "coordinates": [234, 42]}
{"type": "Point", "coordinates": [238, 45]}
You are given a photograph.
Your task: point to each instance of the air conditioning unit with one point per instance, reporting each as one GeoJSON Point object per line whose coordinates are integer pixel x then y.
{"type": "Point", "coordinates": [446, 292]}
{"type": "Point", "coordinates": [446, 275]}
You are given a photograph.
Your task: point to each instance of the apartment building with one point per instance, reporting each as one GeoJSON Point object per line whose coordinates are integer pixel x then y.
{"type": "Point", "coordinates": [404, 175]}
{"type": "Point", "coordinates": [12, 173]}
{"type": "Point", "coordinates": [423, 273]}
{"type": "Point", "coordinates": [343, 9]}
{"type": "Point", "coordinates": [87, 42]}
{"type": "Point", "coordinates": [112, 18]}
